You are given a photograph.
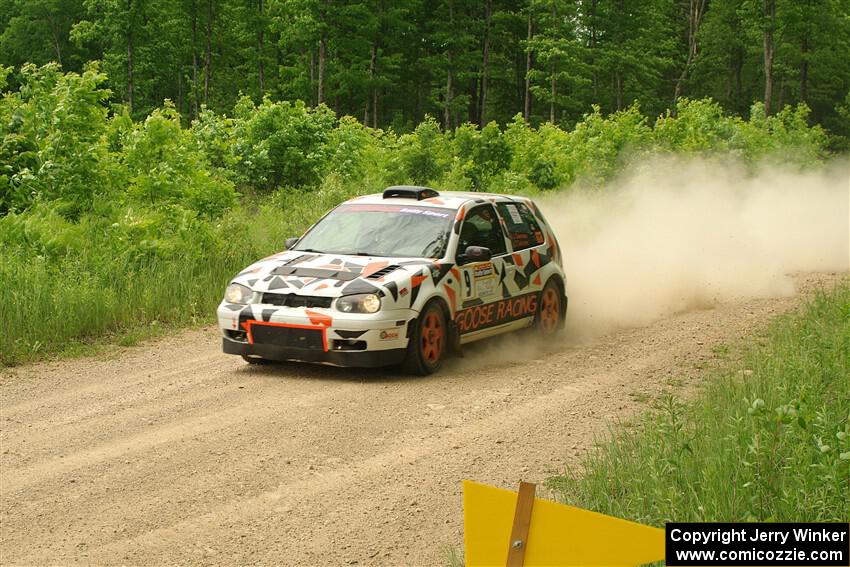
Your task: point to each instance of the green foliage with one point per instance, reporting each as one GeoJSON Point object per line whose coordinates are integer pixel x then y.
{"type": "Point", "coordinates": [51, 139]}
{"type": "Point", "coordinates": [213, 135]}
{"type": "Point", "coordinates": [785, 135]}
{"type": "Point", "coordinates": [390, 64]}
{"type": "Point", "coordinates": [700, 126]}
{"type": "Point", "coordinates": [346, 148]}
{"type": "Point", "coordinates": [539, 153]}
{"type": "Point", "coordinates": [599, 144]}
{"type": "Point", "coordinates": [423, 154]}
{"type": "Point", "coordinates": [38, 31]}
{"type": "Point", "coordinates": [485, 152]}
{"type": "Point", "coordinates": [768, 440]}
{"type": "Point", "coordinates": [697, 126]}
{"type": "Point", "coordinates": [278, 143]}
{"type": "Point", "coordinates": [165, 167]}
{"type": "Point", "coordinates": [109, 223]}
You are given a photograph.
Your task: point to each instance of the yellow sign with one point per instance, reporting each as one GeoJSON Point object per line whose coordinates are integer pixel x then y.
{"type": "Point", "coordinates": [558, 534]}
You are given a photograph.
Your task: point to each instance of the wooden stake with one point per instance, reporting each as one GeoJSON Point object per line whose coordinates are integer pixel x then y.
{"type": "Point", "coordinates": [522, 523]}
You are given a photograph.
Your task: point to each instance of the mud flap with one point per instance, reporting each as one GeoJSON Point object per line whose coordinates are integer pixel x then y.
{"type": "Point", "coordinates": [454, 338]}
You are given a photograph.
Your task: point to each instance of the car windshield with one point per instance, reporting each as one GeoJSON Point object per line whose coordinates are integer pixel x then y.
{"type": "Point", "coordinates": [381, 230]}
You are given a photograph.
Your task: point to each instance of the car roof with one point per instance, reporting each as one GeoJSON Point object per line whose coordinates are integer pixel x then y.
{"type": "Point", "coordinates": [444, 200]}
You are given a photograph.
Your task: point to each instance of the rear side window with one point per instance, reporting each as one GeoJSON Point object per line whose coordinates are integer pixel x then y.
{"type": "Point", "coordinates": [523, 228]}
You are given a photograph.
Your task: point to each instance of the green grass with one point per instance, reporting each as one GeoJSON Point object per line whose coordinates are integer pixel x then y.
{"type": "Point", "coordinates": [52, 308]}
{"type": "Point", "coordinates": [94, 293]}
{"type": "Point", "coordinates": [768, 438]}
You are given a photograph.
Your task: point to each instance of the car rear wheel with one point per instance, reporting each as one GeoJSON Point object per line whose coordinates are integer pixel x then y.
{"type": "Point", "coordinates": [548, 320]}
{"type": "Point", "coordinates": [427, 346]}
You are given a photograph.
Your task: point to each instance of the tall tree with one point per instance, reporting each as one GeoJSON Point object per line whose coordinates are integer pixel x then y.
{"type": "Point", "coordinates": [725, 68]}
{"type": "Point", "coordinates": [485, 63]}
{"type": "Point", "coordinates": [529, 62]}
{"type": "Point", "coordinates": [696, 10]}
{"type": "Point", "coordinates": [769, 48]}
{"type": "Point", "coordinates": [114, 26]}
{"type": "Point", "coordinates": [39, 31]}
{"type": "Point", "coordinates": [261, 31]}
{"type": "Point", "coordinates": [393, 63]}
{"type": "Point", "coordinates": [323, 49]}
{"type": "Point", "coordinates": [453, 58]}
{"type": "Point", "coordinates": [208, 52]}
{"type": "Point", "coordinates": [297, 27]}
{"type": "Point", "coordinates": [560, 56]}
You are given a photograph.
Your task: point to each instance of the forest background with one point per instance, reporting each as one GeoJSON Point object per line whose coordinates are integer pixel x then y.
{"type": "Point", "coordinates": [151, 149]}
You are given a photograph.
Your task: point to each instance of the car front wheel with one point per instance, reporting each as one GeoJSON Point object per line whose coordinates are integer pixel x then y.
{"type": "Point", "coordinates": [428, 344]}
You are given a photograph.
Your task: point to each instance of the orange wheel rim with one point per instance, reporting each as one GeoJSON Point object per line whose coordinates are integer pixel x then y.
{"type": "Point", "coordinates": [432, 338]}
{"type": "Point", "coordinates": [550, 310]}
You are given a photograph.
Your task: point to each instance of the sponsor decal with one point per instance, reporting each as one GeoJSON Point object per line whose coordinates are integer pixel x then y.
{"type": "Point", "coordinates": [514, 212]}
{"type": "Point", "coordinates": [385, 208]}
{"type": "Point", "coordinates": [424, 212]}
{"type": "Point", "coordinates": [486, 287]}
{"type": "Point", "coordinates": [520, 239]}
{"type": "Point", "coordinates": [483, 270]}
{"type": "Point", "coordinates": [496, 313]}
{"type": "Point", "coordinates": [388, 335]}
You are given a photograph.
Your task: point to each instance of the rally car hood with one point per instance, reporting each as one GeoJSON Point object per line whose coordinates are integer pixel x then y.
{"type": "Point", "coordinates": [331, 275]}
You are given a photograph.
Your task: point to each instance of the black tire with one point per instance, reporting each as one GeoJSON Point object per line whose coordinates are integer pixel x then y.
{"type": "Point", "coordinates": [429, 342]}
{"type": "Point", "coordinates": [551, 306]}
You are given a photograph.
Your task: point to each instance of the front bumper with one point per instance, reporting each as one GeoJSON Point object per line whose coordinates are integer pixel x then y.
{"type": "Point", "coordinates": [315, 335]}
{"type": "Point", "coordinates": [363, 359]}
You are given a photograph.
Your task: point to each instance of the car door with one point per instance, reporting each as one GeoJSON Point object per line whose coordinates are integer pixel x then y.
{"type": "Point", "coordinates": [479, 281]}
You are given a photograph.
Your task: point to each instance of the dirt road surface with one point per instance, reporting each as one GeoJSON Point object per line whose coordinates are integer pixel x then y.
{"type": "Point", "coordinates": [173, 453]}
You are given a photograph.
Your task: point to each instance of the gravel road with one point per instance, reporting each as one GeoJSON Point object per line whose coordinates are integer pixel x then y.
{"type": "Point", "coordinates": [173, 453]}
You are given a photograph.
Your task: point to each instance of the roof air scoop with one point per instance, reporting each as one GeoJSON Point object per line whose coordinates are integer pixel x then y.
{"type": "Point", "coordinates": [409, 192]}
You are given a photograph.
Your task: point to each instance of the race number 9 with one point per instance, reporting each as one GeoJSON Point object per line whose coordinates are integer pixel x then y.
{"type": "Point", "coordinates": [467, 281]}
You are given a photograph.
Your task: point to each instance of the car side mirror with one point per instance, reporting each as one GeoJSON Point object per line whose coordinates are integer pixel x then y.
{"type": "Point", "coordinates": [290, 242]}
{"type": "Point", "coordinates": [474, 254]}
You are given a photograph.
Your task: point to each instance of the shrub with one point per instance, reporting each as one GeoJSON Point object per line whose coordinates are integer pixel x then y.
{"type": "Point", "coordinates": [785, 136]}
{"type": "Point", "coordinates": [422, 154]}
{"type": "Point", "coordinates": [165, 166]}
{"type": "Point", "coordinates": [51, 135]}
{"type": "Point", "coordinates": [279, 143]}
{"type": "Point", "coordinates": [599, 145]}
{"type": "Point", "coordinates": [484, 152]}
{"type": "Point", "coordinates": [697, 126]}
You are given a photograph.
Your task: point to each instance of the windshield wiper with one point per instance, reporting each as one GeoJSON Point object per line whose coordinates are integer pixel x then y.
{"type": "Point", "coordinates": [440, 241]}
{"type": "Point", "coordinates": [308, 250]}
{"type": "Point", "coordinates": [362, 254]}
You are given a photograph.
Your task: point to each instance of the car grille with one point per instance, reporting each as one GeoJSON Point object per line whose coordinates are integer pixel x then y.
{"type": "Point", "coordinates": [311, 339]}
{"type": "Point", "coordinates": [295, 300]}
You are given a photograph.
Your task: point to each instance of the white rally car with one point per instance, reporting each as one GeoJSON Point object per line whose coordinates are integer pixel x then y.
{"type": "Point", "coordinates": [401, 277]}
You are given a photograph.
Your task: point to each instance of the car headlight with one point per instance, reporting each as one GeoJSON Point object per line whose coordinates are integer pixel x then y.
{"type": "Point", "coordinates": [238, 293]}
{"type": "Point", "coordinates": [360, 303]}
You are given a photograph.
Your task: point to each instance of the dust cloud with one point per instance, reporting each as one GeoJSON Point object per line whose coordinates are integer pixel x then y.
{"type": "Point", "coordinates": [672, 235]}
